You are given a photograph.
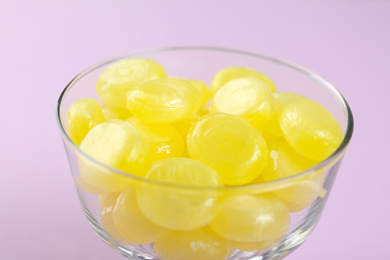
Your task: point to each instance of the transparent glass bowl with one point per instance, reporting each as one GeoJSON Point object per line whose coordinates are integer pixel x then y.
{"type": "Point", "coordinates": [202, 63]}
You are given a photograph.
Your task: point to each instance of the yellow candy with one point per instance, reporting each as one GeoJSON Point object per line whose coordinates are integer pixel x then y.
{"type": "Point", "coordinates": [230, 145]}
{"type": "Point", "coordinates": [197, 244]}
{"type": "Point", "coordinates": [116, 80]}
{"type": "Point", "coordinates": [164, 141]}
{"type": "Point", "coordinates": [280, 101]}
{"type": "Point", "coordinates": [131, 223]}
{"type": "Point", "coordinates": [284, 162]}
{"type": "Point", "coordinates": [256, 246]}
{"type": "Point", "coordinates": [180, 208]}
{"type": "Point", "coordinates": [115, 113]}
{"type": "Point", "coordinates": [163, 100]}
{"type": "Point", "coordinates": [227, 74]}
{"type": "Point", "coordinates": [249, 218]}
{"type": "Point", "coordinates": [247, 97]}
{"type": "Point", "coordinates": [115, 143]}
{"type": "Point", "coordinates": [184, 126]}
{"type": "Point", "coordinates": [107, 202]}
{"type": "Point", "coordinates": [203, 89]}
{"type": "Point", "coordinates": [82, 115]}
{"type": "Point", "coordinates": [310, 129]}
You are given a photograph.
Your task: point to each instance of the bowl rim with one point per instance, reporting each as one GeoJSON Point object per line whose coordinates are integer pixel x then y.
{"type": "Point", "coordinates": [266, 186]}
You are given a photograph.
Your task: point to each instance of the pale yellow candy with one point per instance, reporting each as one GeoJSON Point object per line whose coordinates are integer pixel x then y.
{"type": "Point", "coordinates": [203, 89]}
{"type": "Point", "coordinates": [280, 101]}
{"type": "Point", "coordinates": [197, 244]}
{"type": "Point", "coordinates": [82, 115]}
{"type": "Point", "coordinates": [256, 246]}
{"type": "Point", "coordinates": [131, 223]}
{"type": "Point", "coordinates": [115, 113]}
{"type": "Point", "coordinates": [230, 73]}
{"type": "Point", "coordinates": [183, 126]}
{"type": "Point", "coordinates": [164, 141]}
{"type": "Point", "coordinates": [115, 143]}
{"type": "Point", "coordinates": [310, 129]}
{"type": "Point", "coordinates": [284, 162]}
{"type": "Point", "coordinates": [247, 97]}
{"type": "Point", "coordinates": [250, 218]}
{"type": "Point", "coordinates": [180, 208]}
{"type": "Point", "coordinates": [230, 145]}
{"type": "Point", "coordinates": [116, 80]}
{"type": "Point", "coordinates": [107, 202]}
{"type": "Point", "coordinates": [163, 100]}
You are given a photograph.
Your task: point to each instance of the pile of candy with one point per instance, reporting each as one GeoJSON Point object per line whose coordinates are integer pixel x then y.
{"type": "Point", "coordinates": [197, 140]}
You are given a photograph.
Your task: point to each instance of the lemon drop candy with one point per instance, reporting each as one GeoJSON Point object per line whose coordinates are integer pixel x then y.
{"type": "Point", "coordinates": [203, 89]}
{"type": "Point", "coordinates": [227, 74]}
{"type": "Point", "coordinates": [164, 141]}
{"type": "Point", "coordinates": [117, 79]}
{"type": "Point", "coordinates": [173, 206]}
{"type": "Point", "coordinates": [82, 115]}
{"type": "Point", "coordinates": [163, 100]}
{"type": "Point", "coordinates": [252, 218]}
{"type": "Point", "coordinates": [201, 243]}
{"type": "Point", "coordinates": [230, 145]}
{"type": "Point", "coordinates": [131, 223]}
{"type": "Point", "coordinates": [115, 113]}
{"type": "Point", "coordinates": [107, 202]}
{"type": "Point", "coordinates": [280, 101]}
{"type": "Point", "coordinates": [247, 97]}
{"type": "Point", "coordinates": [284, 162]}
{"type": "Point", "coordinates": [115, 143]}
{"type": "Point", "coordinates": [310, 129]}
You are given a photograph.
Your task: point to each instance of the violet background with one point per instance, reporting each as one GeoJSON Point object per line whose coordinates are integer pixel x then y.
{"type": "Point", "coordinates": [44, 44]}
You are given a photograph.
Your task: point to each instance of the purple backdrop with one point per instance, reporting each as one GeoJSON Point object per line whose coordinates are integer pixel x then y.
{"type": "Point", "coordinates": [44, 44]}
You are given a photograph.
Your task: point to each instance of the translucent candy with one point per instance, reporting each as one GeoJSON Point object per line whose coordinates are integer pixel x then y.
{"type": "Point", "coordinates": [115, 113]}
{"type": "Point", "coordinates": [131, 223]}
{"type": "Point", "coordinates": [249, 218]}
{"type": "Point", "coordinates": [230, 145]}
{"type": "Point", "coordinates": [227, 74]}
{"type": "Point", "coordinates": [310, 129]}
{"type": "Point", "coordinates": [164, 100]}
{"type": "Point", "coordinates": [247, 97]}
{"type": "Point", "coordinates": [164, 141]}
{"type": "Point", "coordinates": [116, 80]}
{"type": "Point", "coordinates": [280, 101]}
{"type": "Point", "coordinates": [115, 143]}
{"type": "Point", "coordinates": [203, 89]}
{"type": "Point", "coordinates": [284, 162]}
{"type": "Point", "coordinates": [256, 246]}
{"type": "Point", "coordinates": [107, 202]}
{"type": "Point", "coordinates": [197, 244]}
{"type": "Point", "coordinates": [183, 126]}
{"type": "Point", "coordinates": [82, 115]}
{"type": "Point", "coordinates": [180, 208]}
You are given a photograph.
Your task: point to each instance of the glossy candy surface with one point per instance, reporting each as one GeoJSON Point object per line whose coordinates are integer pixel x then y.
{"type": "Point", "coordinates": [115, 113]}
{"type": "Point", "coordinates": [247, 97]}
{"type": "Point", "coordinates": [116, 80]}
{"type": "Point", "coordinates": [284, 162]}
{"type": "Point", "coordinates": [197, 244]}
{"type": "Point", "coordinates": [180, 208]}
{"type": "Point", "coordinates": [250, 218]}
{"type": "Point", "coordinates": [280, 101]}
{"type": "Point", "coordinates": [230, 145]}
{"type": "Point", "coordinates": [227, 74]}
{"type": "Point", "coordinates": [310, 129]}
{"type": "Point", "coordinates": [163, 141]}
{"type": "Point", "coordinates": [115, 143]}
{"type": "Point", "coordinates": [131, 223]}
{"type": "Point", "coordinates": [163, 100]}
{"type": "Point", "coordinates": [82, 116]}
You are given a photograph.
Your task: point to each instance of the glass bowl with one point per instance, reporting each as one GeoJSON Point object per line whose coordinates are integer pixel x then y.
{"type": "Point", "coordinates": [202, 63]}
